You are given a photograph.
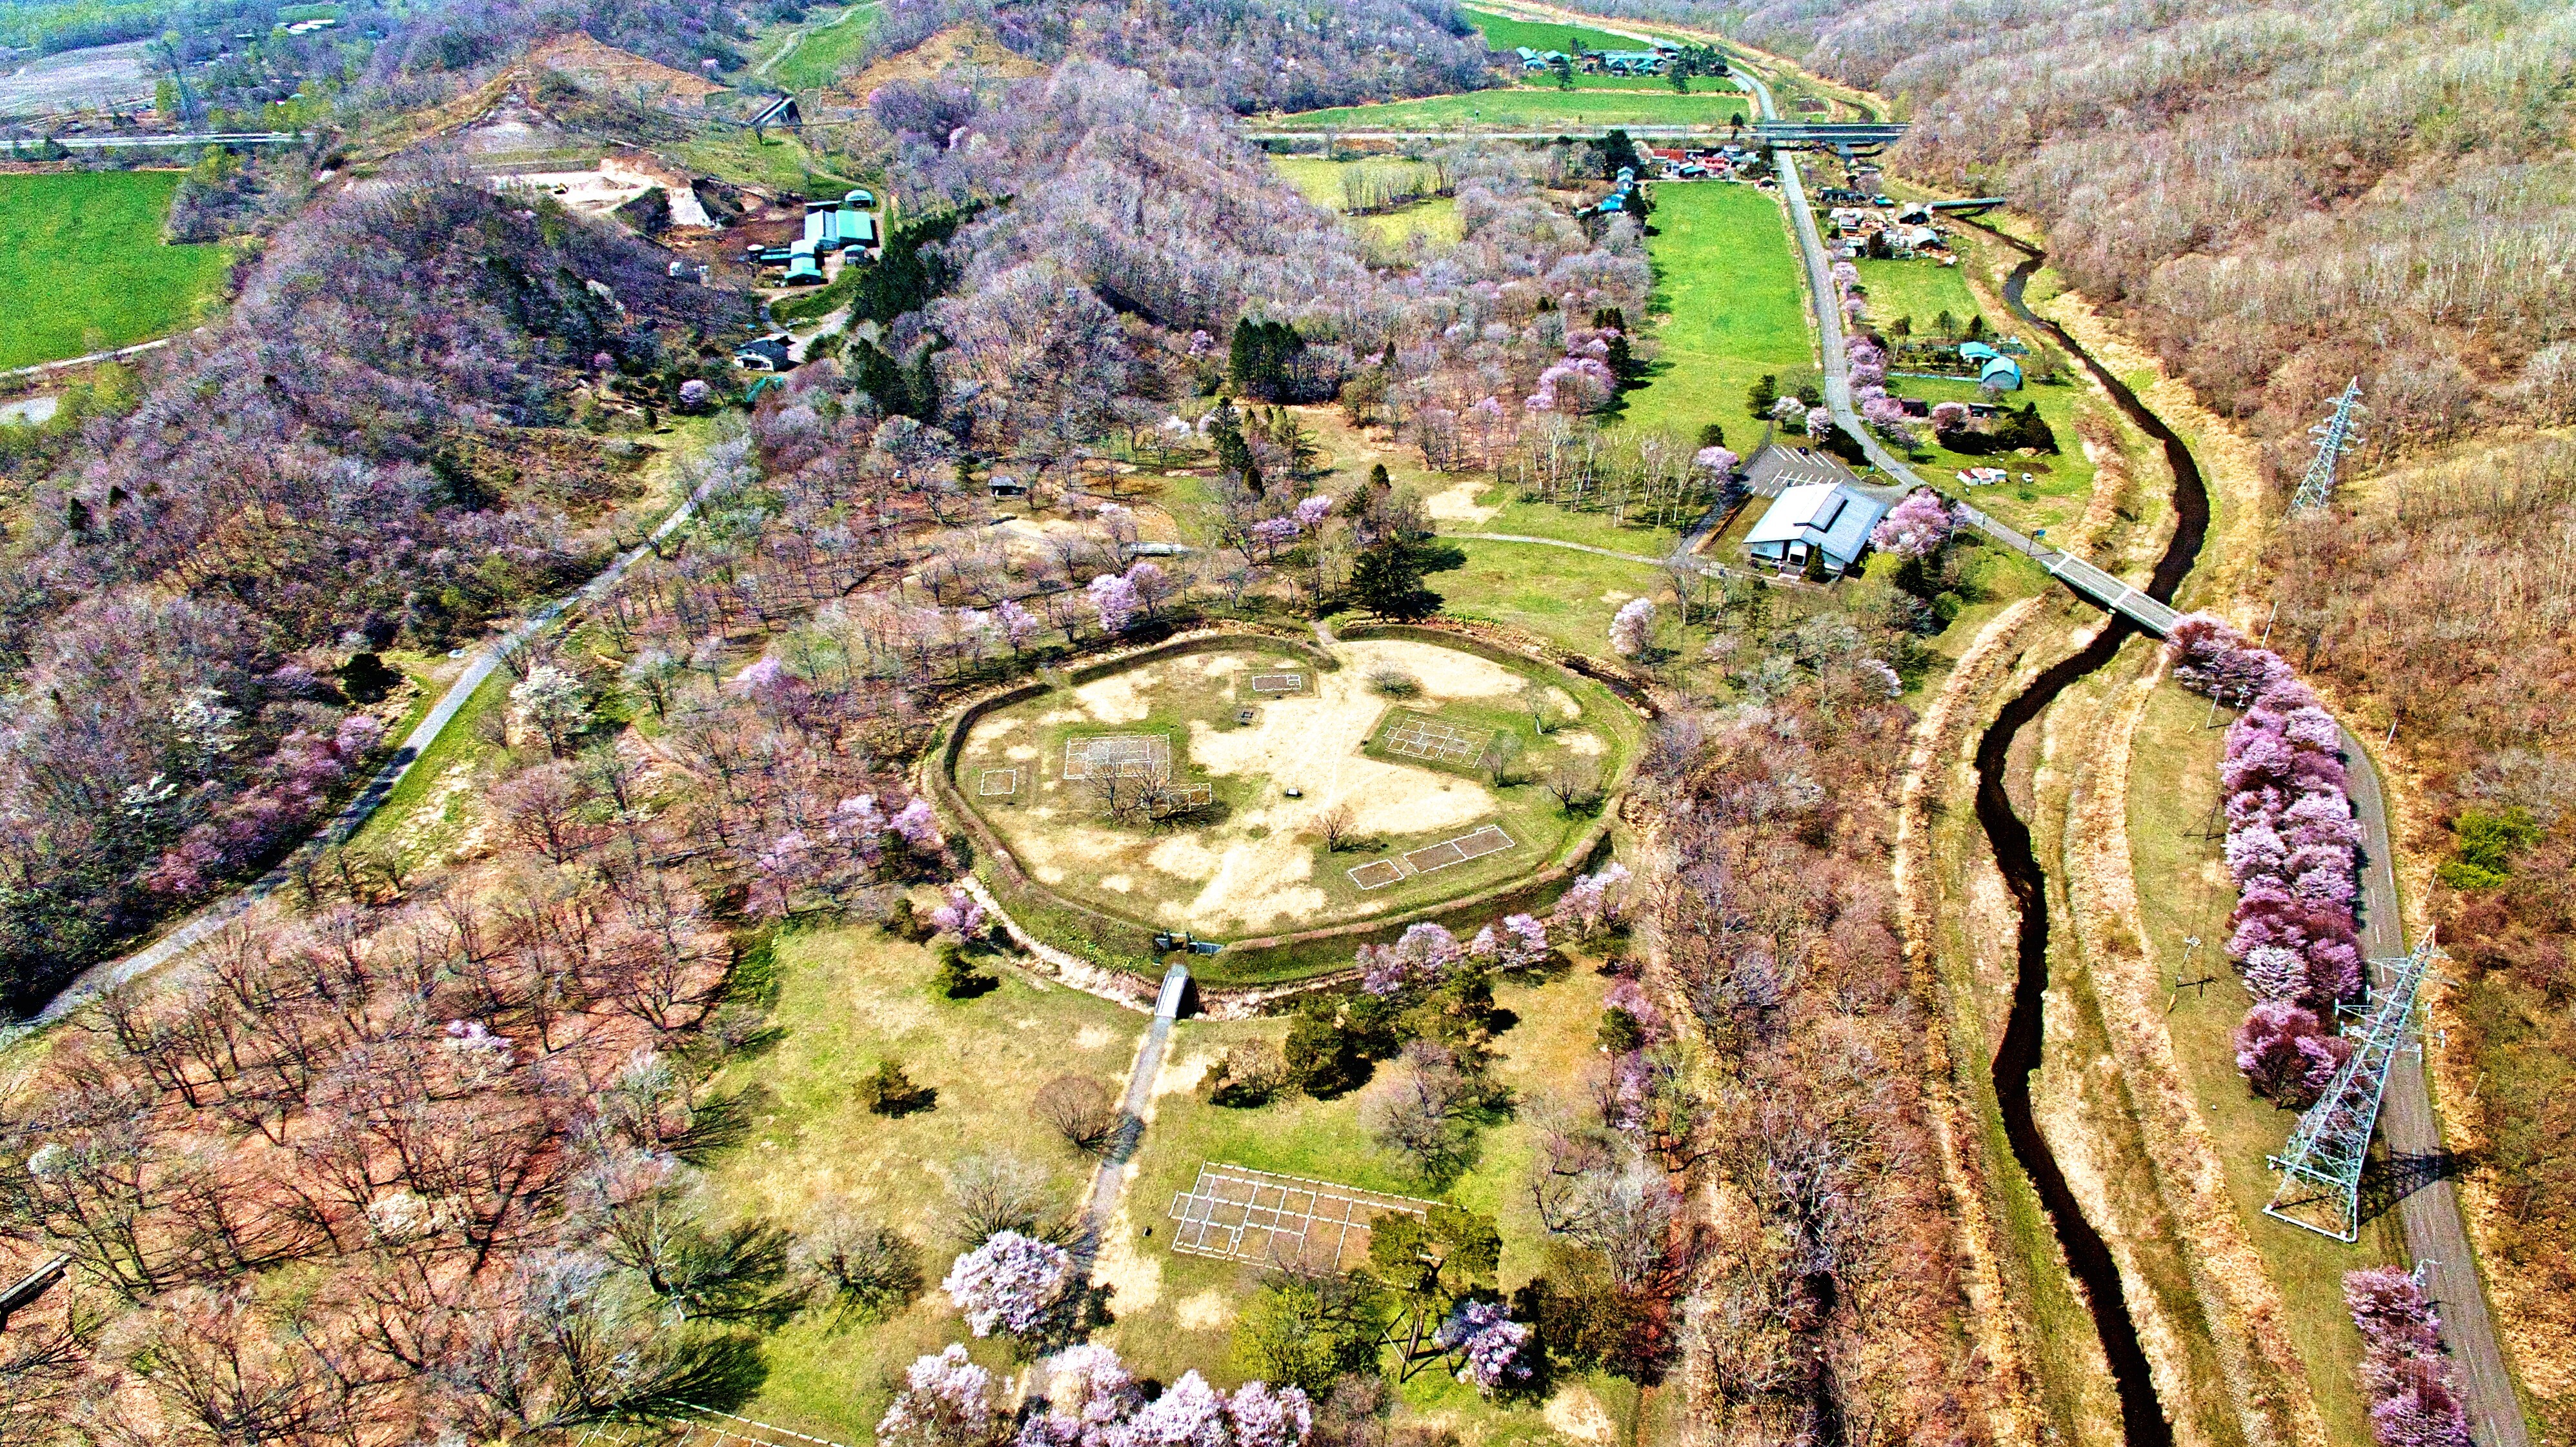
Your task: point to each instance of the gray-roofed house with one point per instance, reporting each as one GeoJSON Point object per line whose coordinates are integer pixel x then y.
{"type": "Point", "coordinates": [1831, 518]}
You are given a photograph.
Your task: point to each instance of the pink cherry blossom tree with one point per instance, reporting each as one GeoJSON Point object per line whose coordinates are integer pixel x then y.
{"type": "Point", "coordinates": [1632, 627]}
{"type": "Point", "coordinates": [1917, 527]}
{"type": "Point", "coordinates": [946, 1401]}
{"type": "Point", "coordinates": [1114, 598]}
{"type": "Point", "coordinates": [1011, 1284]}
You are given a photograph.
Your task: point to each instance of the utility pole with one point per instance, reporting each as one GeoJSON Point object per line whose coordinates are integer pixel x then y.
{"type": "Point", "coordinates": [2321, 1165]}
{"type": "Point", "coordinates": [2335, 437]}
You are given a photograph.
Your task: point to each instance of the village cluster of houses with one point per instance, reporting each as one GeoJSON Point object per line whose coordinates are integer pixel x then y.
{"type": "Point", "coordinates": [1598, 62]}
{"type": "Point", "coordinates": [1908, 229]}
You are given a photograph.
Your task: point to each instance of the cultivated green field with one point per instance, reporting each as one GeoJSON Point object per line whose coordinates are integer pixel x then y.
{"type": "Point", "coordinates": [828, 46]}
{"type": "Point", "coordinates": [1727, 281]}
{"type": "Point", "coordinates": [83, 266]}
{"type": "Point", "coordinates": [1504, 33]}
{"type": "Point", "coordinates": [1918, 290]}
{"type": "Point", "coordinates": [1531, 108]}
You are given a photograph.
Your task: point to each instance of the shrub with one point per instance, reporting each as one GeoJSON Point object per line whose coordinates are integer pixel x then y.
{"type": "Point", "coordinates": [1388, 681]}
{"type": "Point", "coordinates": [957, 977]}
{"type": "Point", "coordinates": [864, 1268]}
{"type": "Point", "coordinates": [1620, 1032]}
{"type": "Point", "coordinates": [1321, 1058]}
{"type": "Point", "coordinates": [890, 1091]}
{"type": "Point", "coordinates": [1248, 1075]}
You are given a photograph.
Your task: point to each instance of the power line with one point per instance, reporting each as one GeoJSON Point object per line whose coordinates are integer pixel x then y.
{"type": "Point", "coordinates": [2335, 437]}
{"type": "Point", "coordinates": [2321, 1165]}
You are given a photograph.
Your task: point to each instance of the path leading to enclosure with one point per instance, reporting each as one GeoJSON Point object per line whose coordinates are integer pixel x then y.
{"type": "Point", "coordinates": [1109, 1179]}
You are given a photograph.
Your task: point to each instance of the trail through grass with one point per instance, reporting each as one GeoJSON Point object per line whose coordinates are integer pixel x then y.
{"type": "Point", "coordinates": [83, 266]}
{"type": "Point", "coordinates": [827, 48]}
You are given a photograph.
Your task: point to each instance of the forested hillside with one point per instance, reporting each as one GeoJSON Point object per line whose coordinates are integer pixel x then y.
{"type": "Point", "coordinates": [360, 451]}
{"type": "Point", "coordinates": [1257, 56]}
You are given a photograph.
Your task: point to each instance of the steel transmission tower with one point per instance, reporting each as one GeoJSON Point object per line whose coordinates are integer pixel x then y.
{"type": "Point", "coordinates": [2321, 1166]}
{"type": "Point", "coordinates": [2335, 437]}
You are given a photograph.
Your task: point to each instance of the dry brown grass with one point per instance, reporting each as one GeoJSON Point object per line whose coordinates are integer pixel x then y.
{"type": "Point", "coordinates": [959, 45]}
{"type": "Point", "coordinates": [1942, 756]}
{"type": "Point", "coordinates": [2240, 1308]}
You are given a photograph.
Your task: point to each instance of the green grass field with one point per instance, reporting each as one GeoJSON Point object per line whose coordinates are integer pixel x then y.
{"type": "Point", "coordinates": [828, 46]}
{"type": "Point", "coordinates": [1177, 1312]}
{"type": "Point", "coordinates": [849, 997]}
{"type": "Point", "coordinates": [1918, 290]}
{"type": "Point", "coordinates": [84, 268]}
{"type": "Point", "coordinates": [1326, 184]}
{"type": "Point", "coordinates": [1504, 33]}
{"type": "Point", "coordinates": [1727, 283]}
{"type": "Point", "coordinates": [1531, 108]}
{"type": "Point", "coordinates": [1561, 595]}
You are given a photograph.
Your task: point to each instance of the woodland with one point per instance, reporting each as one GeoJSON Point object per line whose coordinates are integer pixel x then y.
{"type": "Point", "coordinates": [421, 1147]}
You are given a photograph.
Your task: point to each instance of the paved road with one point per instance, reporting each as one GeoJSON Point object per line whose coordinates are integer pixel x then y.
{"type": "Point", "coordinates": [2093, 582]}
{"type": "Point", "coordinates": [2436, 1237]}
{"type": "Point", "coordinates": [215, 916]}
{"type": "Point", "coordinates": [185, 138]}
{"type": "Point", "coordinates": [2430, 1215]}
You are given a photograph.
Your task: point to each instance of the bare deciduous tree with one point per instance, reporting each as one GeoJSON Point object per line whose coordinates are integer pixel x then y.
{"type": "Point", "coordinates": [1080, 1109]}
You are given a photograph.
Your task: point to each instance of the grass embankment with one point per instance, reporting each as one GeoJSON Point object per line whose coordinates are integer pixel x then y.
{"type": "Point", "coordinates": [84, 269]}
{"type": "Point", "coordinates": [1255, 861]}
{"type": "Point", "coordinates": [1536, 108]}
{"type": "Point", "coordinates": [826, 48]}
{"type": "Point", "coordinates": [2184, 893]}
{"type": "Point", "coordinates": [847, 999]}
{"type": "Point", "coordinates": [1177, 1312]}
{"type": "Point", "coordinates": [1730, 306]}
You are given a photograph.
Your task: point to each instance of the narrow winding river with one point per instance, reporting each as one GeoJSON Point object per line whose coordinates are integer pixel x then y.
{"type": "Point", "coordinates": [2018, 1057]}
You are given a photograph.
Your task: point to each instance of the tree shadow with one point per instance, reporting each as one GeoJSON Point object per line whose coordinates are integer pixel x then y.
{"type": "Point", "coordinates": [719, 1122]}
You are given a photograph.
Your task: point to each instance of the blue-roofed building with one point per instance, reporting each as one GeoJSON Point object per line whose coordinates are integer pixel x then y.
{"type": "Point", "coordinates": [1977, 352]}
{"type": "Point", "coordinates": [1831, 518]}
{"type": "Point", "coordinates": [2001, 373]}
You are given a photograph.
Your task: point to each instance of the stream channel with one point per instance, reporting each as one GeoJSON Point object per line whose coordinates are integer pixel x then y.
{"type": "Point", "coordinates": [2017, 1059]}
